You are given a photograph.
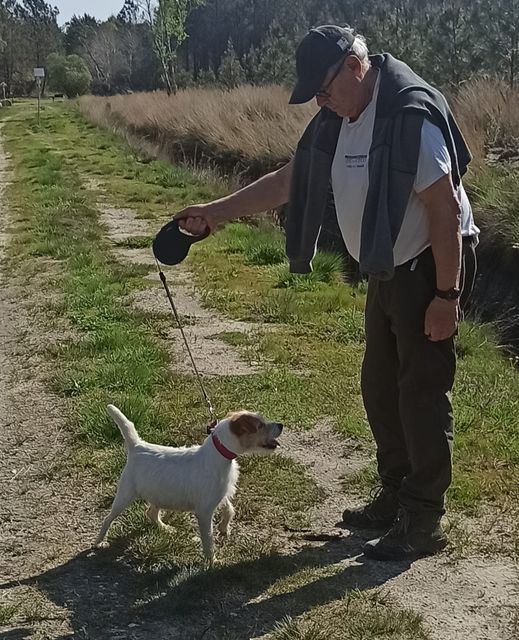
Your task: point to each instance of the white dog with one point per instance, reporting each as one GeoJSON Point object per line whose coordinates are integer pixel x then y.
{"type": "Point", "coordinates": [197, 479]}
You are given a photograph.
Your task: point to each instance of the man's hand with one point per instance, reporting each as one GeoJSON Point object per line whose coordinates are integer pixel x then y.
{"type": "Point", "coordinates": [197, 219]}
{"type": "Point", "coordinates": [441, 319]}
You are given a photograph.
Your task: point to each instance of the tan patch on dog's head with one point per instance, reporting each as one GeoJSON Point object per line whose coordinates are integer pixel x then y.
{"type": "Point", "coordinates": [243, 422]}
{"type": "Point", "coordinates": [253, 432]}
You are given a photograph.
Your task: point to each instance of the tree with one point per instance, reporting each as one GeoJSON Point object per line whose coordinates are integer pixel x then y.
{"type": "Point", "coordinates": [28, 33]}
{"type": "Point", "coordinates": [275, 62]}
{"type": "Point", "coordinates": [231, 73]}
{"type": "Point", "coordinates": [502, 20]}
{"type": "Point", "coordinates": [101, 45]}
{"type": "Point", "coordinates": [174, 43]}
{"type": "Point", "coordinates": [167, 19]}
{"type": "Point", "coordinates": [510, 24]}
{"type": "Point", "coordinates": [79, 30]}
{"type": "Point", "coordinates": [206, 78]}
{"type": "Point", "coordinates": [7, 37]}
{"type": "Point", "coordinates": [68, 74]}
{"type": "Point", "coordinates": [130, 13]}
{"type": "Point", "coordinates": [42, 29]}
{"type": "Point", "coordinates": [136, 46]}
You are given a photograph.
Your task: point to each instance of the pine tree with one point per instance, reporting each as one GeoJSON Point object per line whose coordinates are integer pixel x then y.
{"type": "Point", "coordinates": [276, 59]}
{"type": "Point", "coordinates": [230, 73]}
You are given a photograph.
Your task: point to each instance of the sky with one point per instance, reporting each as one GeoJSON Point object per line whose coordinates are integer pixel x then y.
{"type": "Point", "coordinates": [100, 9]}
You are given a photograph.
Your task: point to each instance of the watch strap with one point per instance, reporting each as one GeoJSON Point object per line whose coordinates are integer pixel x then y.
{"type": "Point", "coordinates": [448, 294]}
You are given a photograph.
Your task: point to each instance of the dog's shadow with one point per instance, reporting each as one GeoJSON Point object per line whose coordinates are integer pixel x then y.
{"type": "Point", "coordinates": [104, 595]}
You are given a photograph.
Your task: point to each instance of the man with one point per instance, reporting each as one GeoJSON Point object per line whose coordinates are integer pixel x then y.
{"type": "Point", "coordinates": [387, 143]}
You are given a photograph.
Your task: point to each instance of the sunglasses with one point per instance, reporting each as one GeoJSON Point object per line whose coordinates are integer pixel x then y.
{"type": "Point", "coordinates": [324, 92]}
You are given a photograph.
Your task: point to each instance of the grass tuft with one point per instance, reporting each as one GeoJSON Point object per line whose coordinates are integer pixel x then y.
{"type": "Point", "coordinates": [369, 615]}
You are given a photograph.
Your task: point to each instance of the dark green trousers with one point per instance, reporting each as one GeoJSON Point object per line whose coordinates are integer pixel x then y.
{"type": "Point", "coordinates": [407, 382]}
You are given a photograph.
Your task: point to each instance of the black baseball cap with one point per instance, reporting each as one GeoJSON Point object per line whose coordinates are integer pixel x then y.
{"type": "Point", "coordinates": [319, 50]}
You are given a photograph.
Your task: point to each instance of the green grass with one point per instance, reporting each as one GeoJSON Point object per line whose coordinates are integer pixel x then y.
{"type": "Point", "coordinates": [311, 363]}
{"type": "Point", "coordinates": [358, 616]}
{"type": "Point", "coordinates": [152, 188]}
{"type": "Point", "coordinates": [7, 613]}
{"type": "Point", "coordinates": [494, 192]}
{"type": "Point", "coordinates": [486, 404]}
{"type": "Point", "coordinates": [117, 355]}
{"type": "Point", "coordinates": [364, 480]}
{"type": "Point", "coordinates": [326, 268]}
{"type": "Point", "coordinates": [313, 357]}
{"type": "Point", "coordinates": [322, 337]}
{"type": "Point", "coordinates": [135, 242]}
{"type": "Point", "coordinates": [29, 606]}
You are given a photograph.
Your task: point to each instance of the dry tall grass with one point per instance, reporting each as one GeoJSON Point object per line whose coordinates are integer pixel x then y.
{"type": "Point", "coordinates": [251, 130]}
{"type": "Point", "coordinates": [488, 114]}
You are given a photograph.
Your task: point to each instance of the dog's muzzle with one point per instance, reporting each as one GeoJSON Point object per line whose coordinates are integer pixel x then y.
{"type": "Point", "coordinates": [273, 443]}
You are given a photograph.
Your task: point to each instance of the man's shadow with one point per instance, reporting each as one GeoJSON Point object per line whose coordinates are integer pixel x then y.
{"type": "Point", "coordinates": [102, 593]}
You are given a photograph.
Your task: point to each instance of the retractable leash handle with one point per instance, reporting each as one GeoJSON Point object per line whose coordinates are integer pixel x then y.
{"type": "Point", "coordinates": [171, 246]}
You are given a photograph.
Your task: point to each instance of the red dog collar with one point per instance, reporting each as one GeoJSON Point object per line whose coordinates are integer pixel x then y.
{"type": "Point", "coordinates": [226, 453]}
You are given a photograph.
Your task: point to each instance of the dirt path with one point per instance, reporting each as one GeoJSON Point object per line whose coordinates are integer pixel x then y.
{"type": "Point", "coordinates": [476, 597]}
{"type": "Point", "coordinates": [202, 328]}
{"type": "Point", "coordinates": [48, 517]}
{"type": "Point", "coordinates": [50, 585]}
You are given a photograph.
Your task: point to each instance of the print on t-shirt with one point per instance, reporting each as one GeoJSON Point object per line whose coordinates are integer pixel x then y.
{"type": "Point", "coordinates": [356, 162]}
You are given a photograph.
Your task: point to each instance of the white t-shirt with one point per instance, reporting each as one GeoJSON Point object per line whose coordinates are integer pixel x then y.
{"type": "Point", "coordinates": [350, 180]}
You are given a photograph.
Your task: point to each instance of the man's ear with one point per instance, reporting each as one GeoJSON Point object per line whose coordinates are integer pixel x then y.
{"type": "Point", "coordinates": [354, 65]}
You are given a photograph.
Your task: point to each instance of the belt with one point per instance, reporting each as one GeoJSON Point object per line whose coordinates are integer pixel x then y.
{"type": "Point", "coordinates": [466, 241]}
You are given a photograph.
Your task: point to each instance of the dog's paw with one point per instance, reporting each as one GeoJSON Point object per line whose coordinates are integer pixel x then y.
{"type": "Point", "coordinates": [103, 544]}
{"type": "Point", "coordinates": [210, 563]}
{"type": "Point", "coordinates": [224, 531]}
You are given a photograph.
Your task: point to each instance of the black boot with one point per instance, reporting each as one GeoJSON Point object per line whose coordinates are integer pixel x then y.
{"type": "Point", "coordinates": [412, 536]}
{"type": "Point", "coordinates": [380, 513]}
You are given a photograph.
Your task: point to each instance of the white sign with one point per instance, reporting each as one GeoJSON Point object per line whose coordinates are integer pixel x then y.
{"type": "Point", "coordinates": [39, 72]}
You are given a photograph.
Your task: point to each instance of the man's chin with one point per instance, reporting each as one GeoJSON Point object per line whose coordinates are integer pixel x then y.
{"type": "Point", "coordinates": [338, 111]}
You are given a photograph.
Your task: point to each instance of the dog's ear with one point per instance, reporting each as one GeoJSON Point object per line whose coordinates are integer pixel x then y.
{"type": "Point", "coordinates": [242, 423]}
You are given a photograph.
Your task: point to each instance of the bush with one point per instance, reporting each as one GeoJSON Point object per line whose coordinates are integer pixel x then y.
{"type": "Point", "coordinates": [68, 74]}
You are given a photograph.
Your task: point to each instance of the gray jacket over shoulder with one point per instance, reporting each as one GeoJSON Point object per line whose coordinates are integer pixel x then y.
{"type": "Point", "coordinates": [404, 100]}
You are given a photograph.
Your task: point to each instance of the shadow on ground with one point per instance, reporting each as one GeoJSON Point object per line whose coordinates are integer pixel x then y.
{"type": "Point", "coordinates": [108, 599]}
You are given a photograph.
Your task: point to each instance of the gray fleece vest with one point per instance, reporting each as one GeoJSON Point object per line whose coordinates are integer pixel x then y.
{"type": "Point", "coordinates": [404, 100]}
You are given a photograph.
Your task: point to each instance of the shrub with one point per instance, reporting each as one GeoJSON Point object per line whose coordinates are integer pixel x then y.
{"type": "Point", "coordinates": [68, 74]}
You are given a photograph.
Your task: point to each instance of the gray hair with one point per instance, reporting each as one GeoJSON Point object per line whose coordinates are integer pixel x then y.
{"type": "Point", "coordinates": [359, 48]}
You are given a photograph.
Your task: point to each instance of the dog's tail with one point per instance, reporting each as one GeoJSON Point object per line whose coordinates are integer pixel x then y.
{"type": "Point", "coordinates": [127, 428]}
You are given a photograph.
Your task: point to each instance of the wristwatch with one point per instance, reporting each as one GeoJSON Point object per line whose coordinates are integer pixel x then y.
{"type": "Point", "coordinates": [448, 294]}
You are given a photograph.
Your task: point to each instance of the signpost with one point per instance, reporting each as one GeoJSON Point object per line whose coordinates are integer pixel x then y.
{"type": "Point", "coordinates": [39, 73]}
